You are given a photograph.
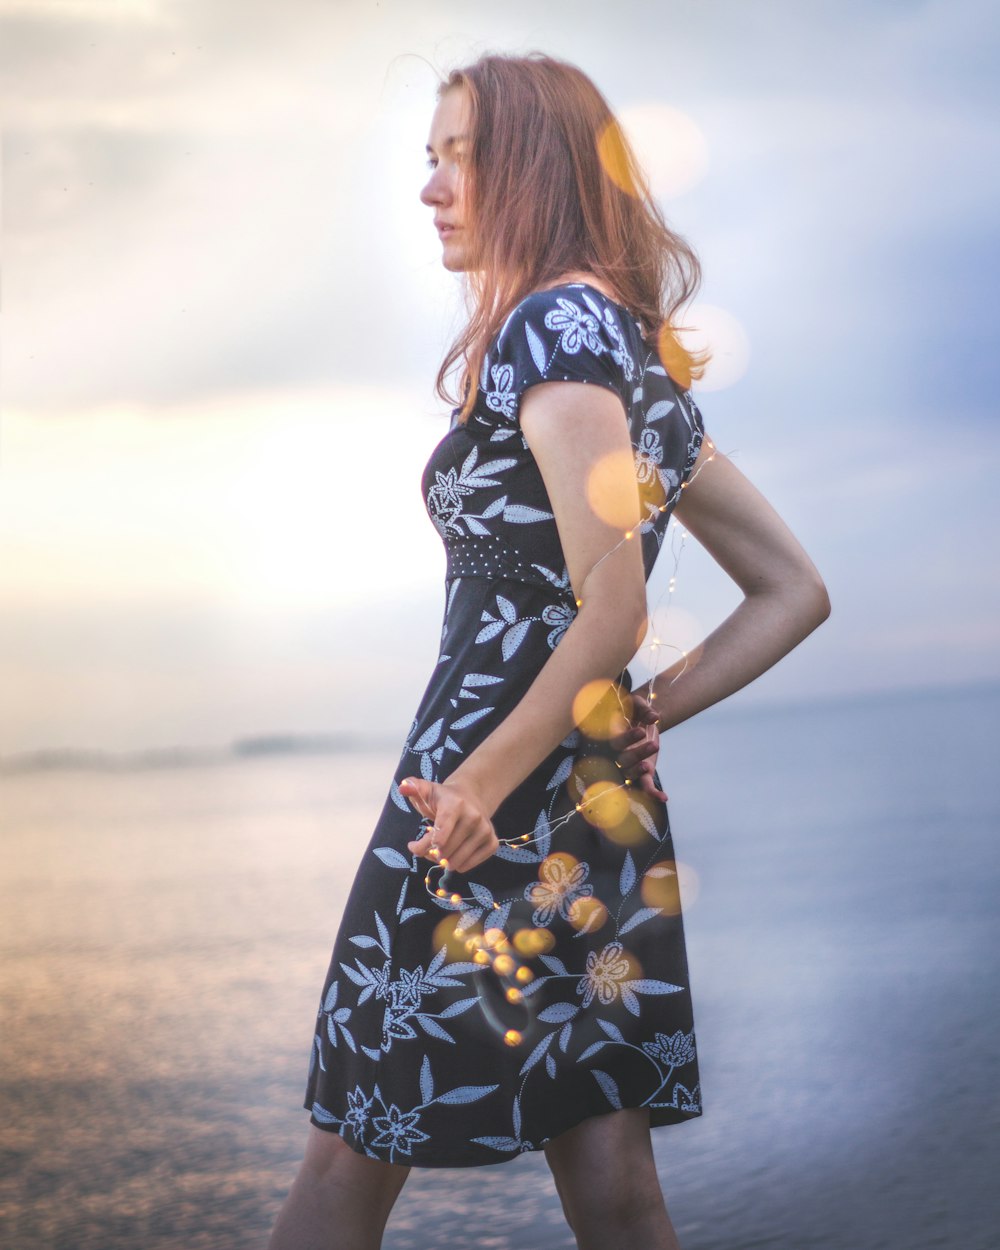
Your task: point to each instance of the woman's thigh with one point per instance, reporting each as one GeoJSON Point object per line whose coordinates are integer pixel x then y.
{"type": "Point", "coordinates": [604, 1166]}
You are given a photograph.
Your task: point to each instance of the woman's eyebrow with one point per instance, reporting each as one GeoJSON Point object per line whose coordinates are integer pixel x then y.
{"type": "Point", "coordinates": [448, 142]}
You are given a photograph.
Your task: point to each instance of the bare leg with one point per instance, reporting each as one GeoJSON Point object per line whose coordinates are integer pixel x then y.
{"type": "Point", "coordinates": [339, 1200]}
{"type": "Point", "coordinates": [606, 1178]}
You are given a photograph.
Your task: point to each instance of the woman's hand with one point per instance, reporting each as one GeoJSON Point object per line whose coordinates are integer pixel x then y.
{"type": "Point", "coordinates": [465, 834]}
{"type": "Point", "coordinates": [638, 747]}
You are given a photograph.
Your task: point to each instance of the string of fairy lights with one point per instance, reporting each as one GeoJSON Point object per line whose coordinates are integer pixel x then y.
{"type": "Point", "coordinates": [491, 945]}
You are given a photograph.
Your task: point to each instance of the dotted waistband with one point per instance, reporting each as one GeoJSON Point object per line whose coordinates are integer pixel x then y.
{"type": "Point", "coordinates": [490, 556]}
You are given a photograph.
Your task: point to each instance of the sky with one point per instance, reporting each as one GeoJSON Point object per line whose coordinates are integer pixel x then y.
{"type": "Point", "coordinates": [224, 310]}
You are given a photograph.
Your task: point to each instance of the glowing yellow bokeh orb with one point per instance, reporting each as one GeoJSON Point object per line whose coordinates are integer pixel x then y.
{"type": "Point", "coordinates": [512, 1037]}
{"type": "Point", "coordinates": [504, 965]}
{"type": "Point", "coordinates": [704, 327]}
{"type": "Point", "coordinates": [612, 490]}
{"type": "Point", "coordinates": [602, 709]}
{"type": "Point", "coordinates": [604, 804]}
{"type": "Point", "coordinates": [587, 913]}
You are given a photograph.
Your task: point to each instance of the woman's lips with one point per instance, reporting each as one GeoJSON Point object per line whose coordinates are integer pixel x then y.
{"type": "Point", "coordinates": [444, 231]}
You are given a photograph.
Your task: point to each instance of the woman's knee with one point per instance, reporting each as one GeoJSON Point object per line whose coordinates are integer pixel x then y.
{"type": "Point", "coordinates": [331, 1162]}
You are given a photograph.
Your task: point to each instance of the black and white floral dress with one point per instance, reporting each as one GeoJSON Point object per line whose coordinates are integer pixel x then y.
{"type": "Point", "coordinates": [436, 1045]}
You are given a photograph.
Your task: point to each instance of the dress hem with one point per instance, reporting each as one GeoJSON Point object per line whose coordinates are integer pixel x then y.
{"type": "Point", "coordinates": [659, 1117]}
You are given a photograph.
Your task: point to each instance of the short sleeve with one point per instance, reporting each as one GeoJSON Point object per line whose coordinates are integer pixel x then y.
{"type": "Point", "coordinates": [559, 335]}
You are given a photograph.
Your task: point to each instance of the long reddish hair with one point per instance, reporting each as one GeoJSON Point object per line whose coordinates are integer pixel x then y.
{"type": "Point", "coordinates": [552, 186]}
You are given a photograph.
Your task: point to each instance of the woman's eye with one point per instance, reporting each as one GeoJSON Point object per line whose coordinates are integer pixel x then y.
{"type": "Point", "coordinates": [431, 162]}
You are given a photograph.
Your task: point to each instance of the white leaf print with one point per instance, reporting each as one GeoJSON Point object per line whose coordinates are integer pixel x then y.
{"type": "Point", "coordinates": [648, 986]}
{"type": "Point", "coordinates": [426, 1080]}
{"type": "Point", "coordinates": [536, 347]}
{"type": "Point", "coordinates": [517, 854]}
{"type": "Point", "coordinates": [550, 1065]}
{"type": "Point", "coordinates": [471, 717]}
{"type": "Point", "coordinates": [485, 474]}
{"type": "Point", "coordinates": [660, 870]}
{"type": "Point", "coordinates": [554, 964]}
{"type": "Point", "coordinates": [627, 879]}
{"type": "Point", "coordinates": [644, 818]}
{"type": "Point", "coordinates": [348, 1038]}
{"type": "Point", "coordinates": [521, 514]}
{"type": "Point", "coordinates": [383, 932]}
{"type": "Point", "coordinates": [558, 1012]}
{"type": "Point", "coordinates": [564, 1035]}
{"type": "Point", "coordinates": [481, 893]}
{"type": "Point", "coordinates": [331, 996]}
{"type": "Point", "coordinates": [390, 856]}
{"type": "Point", "coordinates": [466, 1093]}
{"type": "Point", "coordinates": [543, 834]}
{"type": "Point", "coordinates": [644, 913]}
{"type": "Point", "coordinates": [536, 1054]}
{"type": "Point", "coordinates": [357, 977]}
{"type": "Point", "coordinates": [468, 464]}
{"type": "Point", "coordinates": [592, 1050]}
{"type": "Point", "coordinates": [402, 895]}
{"type": "Point", "coordinates": [595, 308]}
{"type": "Point", "coordinates": [429, 736]}
{"type": "Point", "coordinates": [659, 409]}
{"type": "Point", "coordinates": [517, 1114]}
{"type": "Point", "coordinates": [331, 1031]}
{"type": "Point", "coordinates": [629, 1000]}
{"type": "Point", "coordinates": [321, 1114]}
{"type": "Point", "coordinates": [410, 911]}
{"type": "Point", "coordinates": [480, 679]}
{"type": "Point", "coordinates": [433, 1028]}
{"type": "Point", "coordinates": [513, 638]}
{"type": "Point", "coordinates": [456, 1009]}
{"type": "Point", "coordinates": [498, 1143]}
{"type": "Point", "coordinates": [561, 773]}
{"type": "Point", "coordinates": [496, 506]}
{"type": "Point", "coordinates": [658, 369]}
{"type": "Point", "coordinates": [363, 939]}
{"type": "Point", "coordinates": [398, 799]}
{"type": "Point", "coordinates": [610, 1087]}
{"type": "Point", "coordinates": [507, 609]}
{"type": "Point", "coordinates": [451, 744]}
{"type": "Point", "coordinates": [490, 631]}
{"type": "Point", "coordinates": [477, 527]}
{"type": "Point", "coordinates": [612, 1030]}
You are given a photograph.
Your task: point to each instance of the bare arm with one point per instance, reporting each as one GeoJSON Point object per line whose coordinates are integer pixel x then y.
{"type": "Point", "coordinates": [573, 429]}
{"type": "Point", "coordinates": [785, 598]}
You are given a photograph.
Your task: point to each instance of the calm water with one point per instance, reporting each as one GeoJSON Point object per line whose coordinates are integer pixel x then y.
{"type": "Point", "coordinates": [165, 933]}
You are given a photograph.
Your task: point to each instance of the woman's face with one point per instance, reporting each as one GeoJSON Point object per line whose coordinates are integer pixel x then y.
{"type": "Point", "coordinates": [448, 148]}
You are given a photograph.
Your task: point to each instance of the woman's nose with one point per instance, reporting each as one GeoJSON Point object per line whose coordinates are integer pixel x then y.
{"type": "Point", "coordinates": [435, 190]}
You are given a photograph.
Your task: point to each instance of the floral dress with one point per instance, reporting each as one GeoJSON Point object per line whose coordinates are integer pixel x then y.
{"type": "Point", "coordinates": [466, 1018]}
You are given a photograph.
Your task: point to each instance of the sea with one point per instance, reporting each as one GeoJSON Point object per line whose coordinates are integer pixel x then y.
{"type": "Point", "coordinates": [165, 929]}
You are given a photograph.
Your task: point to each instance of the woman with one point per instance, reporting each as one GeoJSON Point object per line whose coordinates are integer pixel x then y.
{"type": "Point", "coordinates": [518, 981]}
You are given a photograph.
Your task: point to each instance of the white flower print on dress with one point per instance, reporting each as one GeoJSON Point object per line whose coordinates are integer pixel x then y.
{"type": "Point", "coordinates": [562, 617]}
{"type": "Point", "coordinates": [501, 398]}
{"type": "Point", "coordinates": [605, 971]}
{"type": "Point", "coordinates": [398, 1129]}
{"type": "Point", "coordinates": [559, 886]}
{"type": "Point", "coordinates": [648, 456]}
{"type": "Point", "coordinates": [619, 353]}
{"type": "Point", "coordinates": [576, 328]}
{"type": "Point", "coordinates": [674, 1051]}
